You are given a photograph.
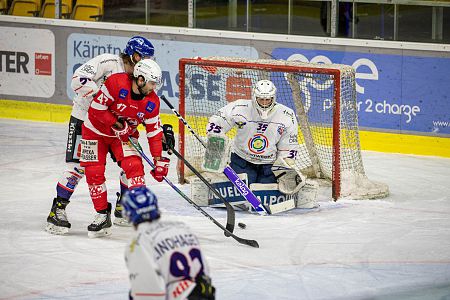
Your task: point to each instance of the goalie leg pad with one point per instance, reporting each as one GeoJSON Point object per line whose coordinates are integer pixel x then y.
{"type": "Point", "coordinates": [271, 197]}
{"type": "Point", "coordinates": [306, 196]}
{"type": "Point", "coordinates": [203, 196]}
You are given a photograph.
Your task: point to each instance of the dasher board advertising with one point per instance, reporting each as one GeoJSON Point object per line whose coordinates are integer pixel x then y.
{"type": "Point", "coordinates": [27, 62]}
{"type": "Point", "coordinates": [394, 92]}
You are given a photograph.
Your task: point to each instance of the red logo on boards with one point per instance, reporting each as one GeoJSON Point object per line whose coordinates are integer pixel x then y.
{"type": "Point", "coordinates": [42, 64]}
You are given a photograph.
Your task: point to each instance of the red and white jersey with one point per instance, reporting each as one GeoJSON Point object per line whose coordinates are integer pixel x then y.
{"type": "Point", "coordinates": [163, 261]}
{"type": "Point", "coordinates": [114, 102]}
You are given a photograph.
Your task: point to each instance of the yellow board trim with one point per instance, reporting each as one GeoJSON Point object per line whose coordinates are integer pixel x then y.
{"type": "Point", "coordinates": [374, 141]}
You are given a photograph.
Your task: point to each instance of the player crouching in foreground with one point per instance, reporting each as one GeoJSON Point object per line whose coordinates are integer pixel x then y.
{"type": "Point", "coordinates": [164, 259]}
{"type": "Point", "coordinates": [122, 103]}
{"type": "Point", "coordinates": [265, 147]}
{"type": "Point", "coordinates": [86, 82]}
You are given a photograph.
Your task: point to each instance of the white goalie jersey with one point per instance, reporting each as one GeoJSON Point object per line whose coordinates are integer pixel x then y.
{"type": "Point", "coordinates": [258, 141]}
{"type": "Point", "coordinates": [88, 78]}
{"type": "Point", "coordinates": [160, 257]}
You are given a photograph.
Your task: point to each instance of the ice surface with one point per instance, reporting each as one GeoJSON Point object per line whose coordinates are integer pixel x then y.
{"type": "Point", "coordinates": [395, 248]}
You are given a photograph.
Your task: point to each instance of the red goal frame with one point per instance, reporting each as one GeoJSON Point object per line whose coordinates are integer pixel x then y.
{"type": "Point", "coordinates": [336, 158]}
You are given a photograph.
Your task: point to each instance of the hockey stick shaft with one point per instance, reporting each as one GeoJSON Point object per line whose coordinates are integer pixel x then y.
{"type": "Point", "coordinates": [228, 171]}
{"type": "Point", "coordinates": [251, 243]}
{"type": "Point", "coordinates": [180, 117]}
{"type": "Point", "coordinates": [230, 210]}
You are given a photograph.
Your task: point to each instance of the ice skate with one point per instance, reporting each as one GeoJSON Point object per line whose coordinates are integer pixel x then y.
{"type": "Point", "coordinates": [118, 219]}
{"type": "Point", "coordinates": [101, 226]}
{"type": "Point", "coordinates": [57, 222]}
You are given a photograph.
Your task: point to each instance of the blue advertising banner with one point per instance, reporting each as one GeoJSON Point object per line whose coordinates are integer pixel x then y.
{"type": "Point", "coordinates": [395, 92]}
{"type": "Point", "coordinates": [82, 47]}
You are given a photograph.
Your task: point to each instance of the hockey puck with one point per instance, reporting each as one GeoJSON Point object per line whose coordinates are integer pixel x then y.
{"type": "Point", "coordinates": [242, 225]}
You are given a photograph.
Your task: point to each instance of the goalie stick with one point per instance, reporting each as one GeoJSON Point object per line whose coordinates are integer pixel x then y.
{"type": "Point", "coordinates": [251, 243]}
{"type": "Point", "coordinates": [228, 171]}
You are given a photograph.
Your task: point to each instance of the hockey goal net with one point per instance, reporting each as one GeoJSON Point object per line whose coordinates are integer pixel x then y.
{"type": "Point", "coordinates": [322, 95]}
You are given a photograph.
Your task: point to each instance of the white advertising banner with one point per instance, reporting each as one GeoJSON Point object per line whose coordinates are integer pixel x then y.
{"type": "Point", "coordinates": [27, 62]}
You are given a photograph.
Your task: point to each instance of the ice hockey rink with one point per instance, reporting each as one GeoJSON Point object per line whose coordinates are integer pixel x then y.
{"type": "Point", "coordinates": [395, 248]}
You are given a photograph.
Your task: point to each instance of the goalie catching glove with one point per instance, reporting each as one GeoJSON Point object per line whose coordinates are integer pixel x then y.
{"type": "Point", "coordinates": [161, 169]}
{"type": "Point", "coordinates": [290, 179]}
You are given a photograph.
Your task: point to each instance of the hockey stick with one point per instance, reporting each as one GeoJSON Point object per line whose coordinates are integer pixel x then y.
{"type": "Point", "coordinates": [230, 209]}
{"type": "Point", "coordinates": [251, 243]}
{"type": "Point", "coordinates": [228, 171]}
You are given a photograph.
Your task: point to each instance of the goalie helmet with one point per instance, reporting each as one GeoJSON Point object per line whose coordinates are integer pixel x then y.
{"type": "Point", "coordinates": [141, 46]}
{"type": "Point", "coordinates": [140, 205]}
{"type": "Point", "coordinates": [149, 70]}
{"type": "Point", "coordinates": [264, 89]}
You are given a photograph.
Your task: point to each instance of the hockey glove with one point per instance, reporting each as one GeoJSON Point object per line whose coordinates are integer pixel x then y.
{"type": "Point", "coordinates": [203, 290]}
{"type": "Point", "coordinates": [161, 169]}
{"type": "Point", "coordinates": [122, 130]}
{"type": "Point", "coordinates": [169, 138]}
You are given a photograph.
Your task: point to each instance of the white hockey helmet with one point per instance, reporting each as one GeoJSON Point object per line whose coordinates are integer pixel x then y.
{"type": "Point", "coordinates": [264, 89]}
{"type": "Point", "coordinates": [149, 70]}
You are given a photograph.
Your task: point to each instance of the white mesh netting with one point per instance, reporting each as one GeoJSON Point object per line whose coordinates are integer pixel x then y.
{"type": "Point", "coordinates": [310, 90]}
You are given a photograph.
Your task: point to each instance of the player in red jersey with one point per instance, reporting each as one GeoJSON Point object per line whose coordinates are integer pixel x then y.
{"type": "Point", "coordinates": [122, 103]}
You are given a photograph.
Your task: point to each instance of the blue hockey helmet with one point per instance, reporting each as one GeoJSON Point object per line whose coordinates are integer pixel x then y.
{"type": "Point", "coordinates": [140, 205]}
{"type": "Point", "coordinates": [140, 45]}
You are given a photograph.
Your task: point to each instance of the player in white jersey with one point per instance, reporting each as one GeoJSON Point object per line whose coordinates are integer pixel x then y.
{"type": "Point", "coordinates": [266, 131]}
{"type": "Point", "coordinates": [86, 82]}
{"type": "Point", "coordinates": [164, 258]}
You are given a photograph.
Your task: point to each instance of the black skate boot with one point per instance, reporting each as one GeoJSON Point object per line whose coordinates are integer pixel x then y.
{"type": "Point", "coordinates": [57, 222]}
{"type": "Point", "coordinates": [119, 220]}
{"type": "Point", "coordinates": [101, 226]}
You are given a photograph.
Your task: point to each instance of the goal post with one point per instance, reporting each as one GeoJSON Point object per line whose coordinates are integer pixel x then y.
{"type": "Point", "coordinates": [323, 97]}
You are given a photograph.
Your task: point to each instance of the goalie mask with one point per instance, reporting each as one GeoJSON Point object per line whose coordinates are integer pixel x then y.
{"type": "Point", "coordinates": [149, 70]}
{"type": "Point", "coordinates": [140, 205]}
{"type": "Point", "coordinates": [264, 97]}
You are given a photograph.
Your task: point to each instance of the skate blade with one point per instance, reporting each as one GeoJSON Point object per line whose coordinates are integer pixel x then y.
{"type": "Point", "coordinates": [101, 233]}
{"type": "Point", "coordinates": [121, 222]}
{"type": "Point", "coordinates": [57, 230]}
